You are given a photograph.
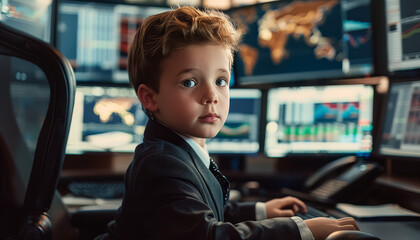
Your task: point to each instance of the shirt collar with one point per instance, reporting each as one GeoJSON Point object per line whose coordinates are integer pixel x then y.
{"type": "Point", "coordinates": [201, 152]}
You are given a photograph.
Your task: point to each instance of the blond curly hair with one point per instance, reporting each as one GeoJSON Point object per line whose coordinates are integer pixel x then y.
{"type": "Point", "coordinates": [163, 33]}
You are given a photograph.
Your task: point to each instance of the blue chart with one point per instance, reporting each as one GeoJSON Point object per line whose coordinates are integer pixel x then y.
{"type": "Point", "coordinates": [235, 130]}
{"type": "Point", "coordinates": [357, 31]}
{"type": "Point", "coordinates": [336, 112]}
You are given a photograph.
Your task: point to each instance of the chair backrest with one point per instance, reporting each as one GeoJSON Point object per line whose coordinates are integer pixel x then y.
{"type": "Point", "coordinates": [37, 87]}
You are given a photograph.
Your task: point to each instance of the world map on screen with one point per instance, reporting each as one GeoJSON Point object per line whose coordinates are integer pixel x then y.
{"type": "Point", "coordinates": [297, 20]}
{"type": "Point", "coordinates": [302, 36]}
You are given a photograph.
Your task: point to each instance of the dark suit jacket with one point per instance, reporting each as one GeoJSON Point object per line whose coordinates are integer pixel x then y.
{"type": "Point", "coordinates": [170, 194]}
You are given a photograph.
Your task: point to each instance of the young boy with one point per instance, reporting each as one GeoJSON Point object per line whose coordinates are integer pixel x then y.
{"type": "Point", "coordinates": [179, 65]}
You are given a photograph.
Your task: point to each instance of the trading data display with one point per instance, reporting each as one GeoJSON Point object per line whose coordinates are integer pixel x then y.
{"type": "Point", "coordinates": [32, 17]}
{"type": "Point", "coordinates": [96, 37]}
{"type": "Point", "coordinates": [327, 119]}
{"type": "Point", "coordinates": [111, 119]}
{"type": "Point", "coordinates": [240, 134]}
{"type": "Point", "coordinates": [106, 119]}
{"type": "Point", "coordinates": [286, 41]}
{"type": "Point", "coordinates": [401, 131]}
{"type": "Point", "coordinates": [403, 34]}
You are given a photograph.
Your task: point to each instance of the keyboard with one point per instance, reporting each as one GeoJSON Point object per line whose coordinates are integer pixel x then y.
{"type": "Point", "coordinates": [102, 189]}
{"type": "Point", "coordinates": [313, 213]}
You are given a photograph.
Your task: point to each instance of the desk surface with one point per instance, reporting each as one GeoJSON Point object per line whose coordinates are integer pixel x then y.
{"type": "Point", "coordinates": [392, 230]}
{"type": "Point", "coordinates": [387, 229]}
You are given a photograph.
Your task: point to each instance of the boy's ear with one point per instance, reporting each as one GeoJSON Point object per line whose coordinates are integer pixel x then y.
{"type": "Point", "coordinates": [147, 97]}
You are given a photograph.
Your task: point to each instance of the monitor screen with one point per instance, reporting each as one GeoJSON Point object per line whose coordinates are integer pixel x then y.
{"type": "Point", "coordinates": [110, 119]}
{"type": "Point", "coordinates": [240, 134]}
{"type": "Point", "coordinates": [402, 30]}
{"type": "Point", "coordinates": [287, 41]}
{"type": "Point", "coordinates": [106, 119]}
{"type": "Point", "coordinates": [96, 37]}
{"type": "Point", "coordinates": [323, 119]}
{"type": "Point", "coordinates": [32, 17]}
{"type": "Point", "coordinates": [401, 128]}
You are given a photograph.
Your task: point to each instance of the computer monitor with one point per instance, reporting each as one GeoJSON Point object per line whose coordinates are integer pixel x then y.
{"type": "Point", "coordinates": [335, 119]}
{"type": "Point", "coordinates": [96, 37]}
{"type": "Point", "coordinates": [402, 32]}
{"type": "Point", "coordinates": [240, 134]}
{"type": "Point", "coordinates": [31, 17]}
{"type": "Point", "coordinates": [28, 88]}
{"type": "Point", "coordinates": [401, 126]}
{"type": "Point", "coordinates": [106, 119]}
{"type": "Point", "coordinates": [288, 41]}
{"type": "Point", "coordinates": [110, 119]}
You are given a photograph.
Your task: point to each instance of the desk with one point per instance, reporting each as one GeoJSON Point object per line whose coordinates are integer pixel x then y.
{"type": "Point", "coordinates": [392, 230]}
{"type": "Point", "coordinates": [387, 230]}
{"type": "Point", "coordinates": [384, 229]}
{"type": "Point", "coordinates": [386, 190]}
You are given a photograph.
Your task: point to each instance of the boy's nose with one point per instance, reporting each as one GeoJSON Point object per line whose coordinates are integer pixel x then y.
{"type": "Point", "coordinates": [211, 97]}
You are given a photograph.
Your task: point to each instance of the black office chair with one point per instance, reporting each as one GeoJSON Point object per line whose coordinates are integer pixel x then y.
{"type": "Point", "coordinates": [37, 87]}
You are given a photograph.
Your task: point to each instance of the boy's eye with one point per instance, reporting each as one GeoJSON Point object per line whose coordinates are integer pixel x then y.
{"type": "Point", "coordinates": [221, 82]}
{"type": "Point", "coordinates": [188, 83]}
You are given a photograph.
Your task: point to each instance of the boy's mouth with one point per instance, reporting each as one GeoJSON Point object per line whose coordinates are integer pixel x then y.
{"type": "Point", "coordinates": [209, 118]}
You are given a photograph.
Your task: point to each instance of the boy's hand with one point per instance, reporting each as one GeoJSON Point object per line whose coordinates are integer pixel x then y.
{"type": "Point", "coordinates": [322, 227]}
{"type": "Point", "coordinates": [284, 207]}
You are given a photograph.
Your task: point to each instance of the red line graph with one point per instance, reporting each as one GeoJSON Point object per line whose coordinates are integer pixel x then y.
{"type": "Point", "coordinates": [411, 29]}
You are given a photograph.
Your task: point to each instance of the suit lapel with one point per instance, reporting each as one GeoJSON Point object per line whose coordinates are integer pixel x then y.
{"type": "Point", "coordinates": [212, 184]}
{"type": "Point", "coordinates": [155, 130]}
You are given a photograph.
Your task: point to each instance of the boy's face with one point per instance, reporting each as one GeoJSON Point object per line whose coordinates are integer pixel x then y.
{"type": "Point", "coordinates": [193, 97]}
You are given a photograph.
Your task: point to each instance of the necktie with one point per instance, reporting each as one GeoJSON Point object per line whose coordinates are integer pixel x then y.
{"type": "Point", "coordinates": [224, 183]}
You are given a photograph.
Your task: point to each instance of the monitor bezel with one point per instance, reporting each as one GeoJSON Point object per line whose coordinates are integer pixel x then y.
{"type": "Point", "coordinates": [378, 95]}
{"type": "Point", "coordinates": [382, 33]}
{"type": "Point", "coordinates": [127, 87]}
{"type": "Point", "coordinates": [376, 56]}
{"type": "Point", "coordinates": [259, 128]}
{"type": "Point", "coordinates": [80, 122]}
{"type": "Point", "coordinates": [381, 124]}
{"type": "Point", "coordinates": [49, 27]}
{"type": "Point", "coordinates": [97, 78]}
